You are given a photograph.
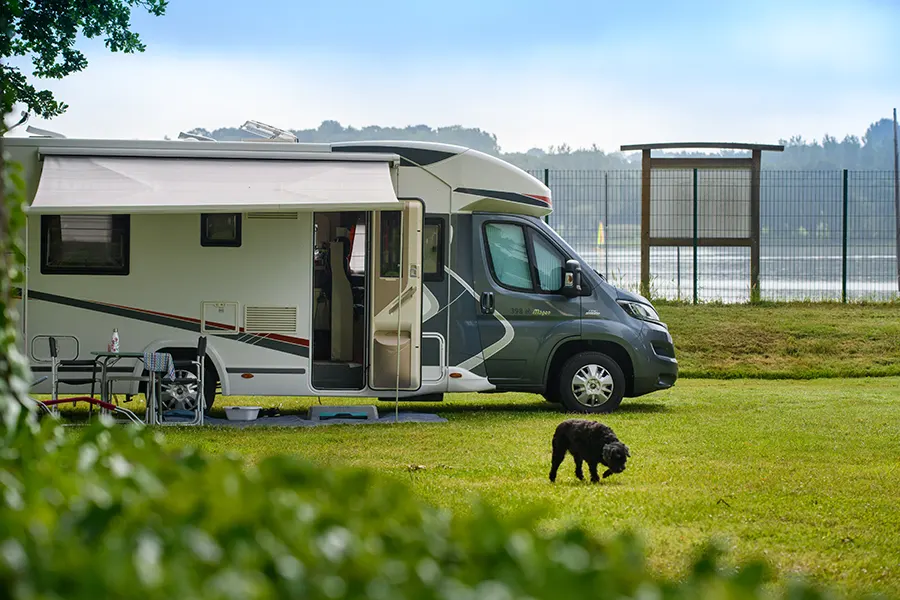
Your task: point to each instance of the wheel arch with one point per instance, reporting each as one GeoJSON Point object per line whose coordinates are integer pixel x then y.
{"type": "Point", "coordinates": [566, 349]}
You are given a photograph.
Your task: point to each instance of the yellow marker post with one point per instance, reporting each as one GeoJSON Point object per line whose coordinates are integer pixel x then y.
{"type": "Point", "coordinates": [600, 236]}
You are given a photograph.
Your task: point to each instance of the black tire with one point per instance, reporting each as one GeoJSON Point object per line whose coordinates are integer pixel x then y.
{"type": "Point", "coordinates": [601, 370]}
{"type": "Point", "coordinates": [210, 386]}
{"type": "Point", "coordinates": [551, 397]}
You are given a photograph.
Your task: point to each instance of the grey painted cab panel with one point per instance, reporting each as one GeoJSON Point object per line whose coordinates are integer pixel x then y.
{"type": "Point", "coordinates": [518, 329]}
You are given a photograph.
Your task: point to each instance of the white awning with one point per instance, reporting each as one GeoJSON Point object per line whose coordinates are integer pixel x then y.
{"type": "Point", "coordinates": [133, 185]}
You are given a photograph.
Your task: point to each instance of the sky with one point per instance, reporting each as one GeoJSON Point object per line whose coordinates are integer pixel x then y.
{"type": "Point", "coordinates": [536, 74]}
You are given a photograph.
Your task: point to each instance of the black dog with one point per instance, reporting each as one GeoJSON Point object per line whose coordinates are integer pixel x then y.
{"type": "Point", "coordinates": [591, 442]}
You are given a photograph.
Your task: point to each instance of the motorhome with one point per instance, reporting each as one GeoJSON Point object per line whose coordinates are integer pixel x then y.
{"type": "Point", "coordinates": [392, 270]}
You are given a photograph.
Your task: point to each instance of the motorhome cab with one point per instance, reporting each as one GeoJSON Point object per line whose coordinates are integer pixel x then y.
{"type": "Point", "coordinates": [399, 269]}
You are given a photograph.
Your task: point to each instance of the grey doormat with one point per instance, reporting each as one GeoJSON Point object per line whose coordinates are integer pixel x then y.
{"type": "Point", "coordinates": [298, 421]}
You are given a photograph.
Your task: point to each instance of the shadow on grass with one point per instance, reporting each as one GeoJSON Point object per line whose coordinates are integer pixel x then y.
{"type": "Point", "coordinates": [516, 407]}
{"type": "Point", "coordinates": [539, 407]}
{"type": "Point", "coordinates": [471, 408]}
{"type": "Point", "coordinates": [575, 483]}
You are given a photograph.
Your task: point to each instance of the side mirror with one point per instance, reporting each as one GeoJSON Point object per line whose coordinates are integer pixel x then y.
{"type": "Point", "coordinates": [571, 279]}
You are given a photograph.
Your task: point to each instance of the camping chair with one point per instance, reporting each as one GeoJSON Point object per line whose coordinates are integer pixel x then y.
{"type": "Point", "coordinates": [178, 387]}
{"type": "Point", "coordinates": [55, 380]}
{"type": "Point", "coordinates": [48, 407]}
{"type": "Point", "coordinates": [56, 363]}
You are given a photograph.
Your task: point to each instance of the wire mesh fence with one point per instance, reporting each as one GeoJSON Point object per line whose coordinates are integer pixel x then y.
{"type": "Point", "coordinates": [824, 235]}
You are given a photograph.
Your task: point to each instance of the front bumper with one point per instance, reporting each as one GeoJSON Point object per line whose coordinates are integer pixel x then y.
{"type": "Point", "coordinates": [660, 368]}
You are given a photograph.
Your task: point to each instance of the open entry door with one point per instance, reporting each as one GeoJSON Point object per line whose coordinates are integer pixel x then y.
{"type": "Point", "coordinates": [395, 307]}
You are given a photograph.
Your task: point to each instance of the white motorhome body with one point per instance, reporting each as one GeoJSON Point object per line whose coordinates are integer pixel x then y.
{"type": "Point", "coordinates": [376, 269]}
{"type": "Point", "coordinates": [161, 277]}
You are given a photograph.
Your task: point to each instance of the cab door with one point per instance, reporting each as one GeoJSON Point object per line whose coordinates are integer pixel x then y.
{"type": "Point", "coordinates": [523, 314]}
{"type": "Point", "coordinates": [395, 298]}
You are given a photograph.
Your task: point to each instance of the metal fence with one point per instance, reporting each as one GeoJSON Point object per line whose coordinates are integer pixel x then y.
{"type": "Point", "coordinates": [824, 235]}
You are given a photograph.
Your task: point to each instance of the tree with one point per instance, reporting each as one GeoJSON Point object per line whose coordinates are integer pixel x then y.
{"type": "Point", "coordinates": [45, 31]}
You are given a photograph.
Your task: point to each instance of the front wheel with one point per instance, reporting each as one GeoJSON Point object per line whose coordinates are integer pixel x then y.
{"type": "Point", "coordinates": [591, 382]}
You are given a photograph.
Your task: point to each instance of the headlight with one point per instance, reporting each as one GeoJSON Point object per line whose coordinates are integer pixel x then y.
{"type": "Point", "coordinates": [641, 311]}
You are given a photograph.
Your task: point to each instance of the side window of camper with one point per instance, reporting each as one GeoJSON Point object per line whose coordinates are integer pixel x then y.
{"type": "Point", "coordinates": [85, 244]}
{"type": "Point", "coordinates": [433, 249]}
{"type": "Point", "coordinates": [220, 229]}
{"type": "Point", "coordinates": [508, 255]}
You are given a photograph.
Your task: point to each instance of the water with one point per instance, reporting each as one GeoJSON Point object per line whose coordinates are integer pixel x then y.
{"type": "Point", "coordinates": [794, 273]}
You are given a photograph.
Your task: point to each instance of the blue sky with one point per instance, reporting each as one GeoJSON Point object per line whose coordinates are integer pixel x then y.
{"type": "Point", "coordinates": [534, 73]}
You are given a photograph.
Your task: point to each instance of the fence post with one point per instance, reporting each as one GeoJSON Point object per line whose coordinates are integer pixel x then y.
{"type": "Point", "coordinates": [844, 240]}
{"type": "Point", "coordinates": [547, 183]}
{"type": "Point", "coordinates": [696, 220]}
{"type": "Point", "coordinates": [897, 197]}
{"type": "Point", "coordinates": [755, 168]}
{"type": "Point", "coordinates": [646, 171]}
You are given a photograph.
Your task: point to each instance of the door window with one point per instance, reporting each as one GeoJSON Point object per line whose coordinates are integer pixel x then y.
{"type": "Point", "coordinates": [390, 243]}
{"type": "Point", "coordinates": [508, 255]}
{"type": "Point", "coordinates": [522, 259]}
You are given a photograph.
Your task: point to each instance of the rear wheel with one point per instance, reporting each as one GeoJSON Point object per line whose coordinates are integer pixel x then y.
{"type": "Point", "coordinates": [591, 382]}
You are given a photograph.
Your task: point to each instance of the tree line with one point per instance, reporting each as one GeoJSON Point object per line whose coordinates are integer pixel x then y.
{"type": "Point", "coordinates": [872, 152]}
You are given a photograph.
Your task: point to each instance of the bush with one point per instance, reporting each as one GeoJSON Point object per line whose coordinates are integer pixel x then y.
{"type": "Point", "coordinates": [111, 513]}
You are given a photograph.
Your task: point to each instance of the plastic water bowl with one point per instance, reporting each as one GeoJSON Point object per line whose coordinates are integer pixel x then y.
{"type": "Point", "coordinates": [242, 413]}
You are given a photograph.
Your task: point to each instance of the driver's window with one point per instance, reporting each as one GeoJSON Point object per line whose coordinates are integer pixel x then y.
{"type": "Point", "coordinates": [509, 255]}
{"type": "Point", "coordinates": [549, 264]}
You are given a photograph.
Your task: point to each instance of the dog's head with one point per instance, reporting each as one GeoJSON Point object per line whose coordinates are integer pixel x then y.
{"type": "Point", "coordinates": [614, 455]}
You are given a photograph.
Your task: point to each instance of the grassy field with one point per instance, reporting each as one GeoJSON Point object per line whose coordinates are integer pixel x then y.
{"type": "Point", "coordinates": [791, 340]}
{"type": "Point", "coordinates": [803, 470]}
{"type": "Point", "coordinates": [803, 473]}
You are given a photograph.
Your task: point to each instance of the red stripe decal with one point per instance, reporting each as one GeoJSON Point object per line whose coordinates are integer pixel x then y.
{"type": "Point", "coordinates": [273, 336]}
{"type": "Point", "coordinates": [541, 198]}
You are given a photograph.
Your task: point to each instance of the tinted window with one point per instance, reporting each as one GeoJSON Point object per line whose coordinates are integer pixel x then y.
{"type": "Point", "coordinates": [390, 243]}
{"type": "Point", "coordinates": [508, 255]}
{"type": "Point", "coordinates": [220, 229]}
{"type": "Point", "coordinates": [85, 244]}
{"type": "Point", "coordinates": [433, 249]}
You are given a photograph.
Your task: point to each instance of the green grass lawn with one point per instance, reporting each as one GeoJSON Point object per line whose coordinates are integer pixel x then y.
{"type": "Point", "coordinates": [803, 473]}
{"type": "Point", "coordinates": [803, 470]}
{"type": "Point", "coordinates": [791, 340]}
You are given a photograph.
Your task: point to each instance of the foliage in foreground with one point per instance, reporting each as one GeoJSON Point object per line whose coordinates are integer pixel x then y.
{"type": "Point", "coordinates": [111, 513]}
